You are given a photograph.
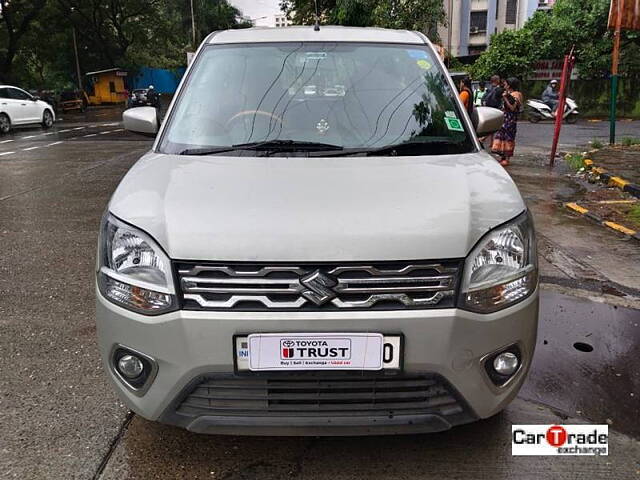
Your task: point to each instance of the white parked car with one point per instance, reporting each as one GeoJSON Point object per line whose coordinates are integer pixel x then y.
{"type": "Point", "coordinates": [317, 245]}
{"type": "Point", "coordinates": [18, 107]}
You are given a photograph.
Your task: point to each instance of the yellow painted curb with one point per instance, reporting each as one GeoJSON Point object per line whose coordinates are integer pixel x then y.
{"type": "Point", "coordinates": [615, 202]}
{"type": "Point", "coordinates": [576, 207]}
{"type": "Point", "coordinates": [618, 182]}
{"type": "Point", "coordinates": [619, 228]}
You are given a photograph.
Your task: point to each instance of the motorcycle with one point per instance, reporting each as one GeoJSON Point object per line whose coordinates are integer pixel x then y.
{"type": "Point", "coordinates": [538, 110]}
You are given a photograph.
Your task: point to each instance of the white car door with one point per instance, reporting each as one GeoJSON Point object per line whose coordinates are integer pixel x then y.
{"type": "Point", "coordinates": [27, 110]}
{"type": "Point", "coordinates": [10, 106]}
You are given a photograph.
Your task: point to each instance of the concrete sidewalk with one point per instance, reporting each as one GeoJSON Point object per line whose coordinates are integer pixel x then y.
{"type": "Point", "coordinates": [574, 252]}
{"type": "Point", "coordinates": [621, 161]}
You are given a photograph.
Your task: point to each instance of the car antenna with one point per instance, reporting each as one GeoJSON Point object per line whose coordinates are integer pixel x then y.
{"type": "Point", "coordinates": [316, 27]}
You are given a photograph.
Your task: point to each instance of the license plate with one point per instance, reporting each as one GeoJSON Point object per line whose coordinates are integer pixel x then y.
{"type": "Point", "coordinates": [317, 351]}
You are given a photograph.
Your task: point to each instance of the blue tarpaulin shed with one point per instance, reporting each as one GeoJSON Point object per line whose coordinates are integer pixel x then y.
{"type": "Point", "coordinates": [164, 81]}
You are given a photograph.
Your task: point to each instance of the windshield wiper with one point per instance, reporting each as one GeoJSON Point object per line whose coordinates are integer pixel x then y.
{"type": "Point", "coordinates": [439, 147]}
{"type": "Point", "coordinates": [290, 145]}
{"type": "Point", "coordinates": [276, 145]}
{"type": "Point", "coordinates": [207, 150]}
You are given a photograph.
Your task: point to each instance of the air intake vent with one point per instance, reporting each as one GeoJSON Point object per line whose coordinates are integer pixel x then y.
{"type": "Point", "coordinates": [321, 395]}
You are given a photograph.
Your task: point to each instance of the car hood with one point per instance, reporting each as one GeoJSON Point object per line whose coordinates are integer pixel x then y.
{"type": "Point", "coordinates": [316, 209]}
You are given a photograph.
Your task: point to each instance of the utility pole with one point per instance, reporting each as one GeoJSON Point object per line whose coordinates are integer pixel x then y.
{"type": "Point", "coordinates": [75, 49]}
{"type": "Point", "coordinates": [569, 61]}
{"type": "Point", "coordinates": [449, 33]}
{"type": "Point", "coordinates": [193, 26]}
{"type": "Point", "coordinates": [614, 72]}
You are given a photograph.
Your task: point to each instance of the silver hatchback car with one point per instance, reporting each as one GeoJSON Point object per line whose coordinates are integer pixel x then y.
{"type": "Point", "coordinates": [316, 245]}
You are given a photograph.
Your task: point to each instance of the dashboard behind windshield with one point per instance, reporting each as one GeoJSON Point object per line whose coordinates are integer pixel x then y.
{"type": "Point", "coordinates": [348, 95]}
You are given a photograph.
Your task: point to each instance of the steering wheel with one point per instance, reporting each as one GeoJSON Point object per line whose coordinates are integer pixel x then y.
{"type": "Point", "coordinates": [261, 113]}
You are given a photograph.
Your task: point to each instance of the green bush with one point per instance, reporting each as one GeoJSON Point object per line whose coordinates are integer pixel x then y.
{"type": "Point", "coordinates": [574, 160]}
{"type": "Point", "coordinates": [634, 214]}
{"type": "Point", "coordinates": [628, 141]}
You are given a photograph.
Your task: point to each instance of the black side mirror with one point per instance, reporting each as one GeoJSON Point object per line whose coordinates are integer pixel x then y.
{"type": "Point", "coordinates": [35, 99]}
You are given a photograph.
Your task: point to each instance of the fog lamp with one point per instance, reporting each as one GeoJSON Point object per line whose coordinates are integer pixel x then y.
{"type": "Point", "coordinates": [506, 363]}
{"type": "Point", "coordinates": [130, 366]}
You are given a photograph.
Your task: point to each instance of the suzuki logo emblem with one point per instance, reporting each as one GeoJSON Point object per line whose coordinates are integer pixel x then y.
{"type": "Point", "coordinates": [319, 287]}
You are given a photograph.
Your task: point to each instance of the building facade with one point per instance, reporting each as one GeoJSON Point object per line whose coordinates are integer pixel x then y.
{"type": "Point", "coordinates": [470, 23]}
{"type": "Point", "coordinates": [280, 21]}
{"type": "Point", "coordinates": [272, 21]}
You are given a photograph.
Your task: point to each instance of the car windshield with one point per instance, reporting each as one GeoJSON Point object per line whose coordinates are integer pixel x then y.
{"type": "Point", "coordinates": [303, 97]}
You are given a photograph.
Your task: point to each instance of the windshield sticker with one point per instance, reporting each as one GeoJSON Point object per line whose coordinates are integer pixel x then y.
{"type": "Point", "coordinates": [423, 64]}
{"type": "Point", "coordinates": [316, 55]}
{"type": "Point", "coordinates": [450, 114]}
{"type": "Point", "coordinates": [454, 124]}
{"type": "Point", "coordinates": [322, 126]}
{"type": "Point", "coordinates": [417, 54]}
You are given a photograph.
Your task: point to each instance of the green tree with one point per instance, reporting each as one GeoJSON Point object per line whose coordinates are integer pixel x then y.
{"type": "Point", "coordinates": [46, 59]}
{"type": "Point", "coordinates": [422, 15]}
{"type": "Point", "coordinates": [550, 35]}
{"type": "Point", "coordinates": [16, 18]}
{"type": "Point", "coordinates": [123, 33]}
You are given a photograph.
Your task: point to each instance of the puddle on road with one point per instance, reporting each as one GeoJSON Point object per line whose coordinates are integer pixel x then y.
{"type": "Point", "coordinates": [586, 361]}
{"type": "Point", "coordinates": [547, 187]}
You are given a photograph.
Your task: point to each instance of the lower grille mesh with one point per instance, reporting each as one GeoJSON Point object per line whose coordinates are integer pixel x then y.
{"type": "Point", "coordinates": [321, 395]}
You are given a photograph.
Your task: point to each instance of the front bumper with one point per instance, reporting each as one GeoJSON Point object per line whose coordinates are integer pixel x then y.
{"type": "Point", "coordinates": [448, 344]}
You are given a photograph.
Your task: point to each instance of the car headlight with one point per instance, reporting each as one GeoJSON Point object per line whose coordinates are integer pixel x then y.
{"type": "Point", "coordinates": [502, 269]}
{"type": "Point", "coordinates": [133, 271]}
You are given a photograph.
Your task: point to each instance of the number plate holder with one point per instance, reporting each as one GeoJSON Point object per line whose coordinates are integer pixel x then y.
{"type": "Point", "coordinates": [392, 352]}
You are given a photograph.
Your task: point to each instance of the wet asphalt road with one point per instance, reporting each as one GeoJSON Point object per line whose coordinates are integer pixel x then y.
{"type": "Point", "coordinates": [60, 419]}
{"type": "Point", "coordinates": [539, 135]}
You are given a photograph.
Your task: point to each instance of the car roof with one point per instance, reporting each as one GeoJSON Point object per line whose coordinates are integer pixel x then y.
{"type": "Point", "coordinates": [327, 33]}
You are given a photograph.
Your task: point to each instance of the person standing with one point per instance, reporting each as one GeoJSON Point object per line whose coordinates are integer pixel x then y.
{"type": "Point", "coordinates": [466, 94]}
{"type": "Point", "coordinates": [493, 97]}
{"type": "Point", "coordinates": [479, 94]}
{"type": "Point", "coordinates": [504, 141]}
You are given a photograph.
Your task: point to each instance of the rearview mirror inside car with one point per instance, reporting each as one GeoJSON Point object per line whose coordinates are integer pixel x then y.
{"type": "Point", "coordinates": [142, 120]}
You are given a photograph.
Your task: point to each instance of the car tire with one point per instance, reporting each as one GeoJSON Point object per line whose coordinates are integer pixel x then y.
{"type": "Point", "coordinates": [5, 123]}
{"type": "Point", "coordinates": [47, 119]}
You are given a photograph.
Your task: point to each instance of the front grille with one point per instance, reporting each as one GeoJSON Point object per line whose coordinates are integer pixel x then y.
{"type": "Point", "coordinates": [365, 286]}
{"type": "Point", "coordinates": [321, 395]}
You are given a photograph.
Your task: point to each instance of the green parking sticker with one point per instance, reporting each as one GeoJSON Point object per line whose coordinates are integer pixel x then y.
{"type": "Point", "coordinates": [454, 124]}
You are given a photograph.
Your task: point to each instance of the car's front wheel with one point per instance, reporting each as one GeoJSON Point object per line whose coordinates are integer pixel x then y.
{"type": "Point", "coordinates": [5, 123]}
{"type": "Point", "coordinates": [47, 119]}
